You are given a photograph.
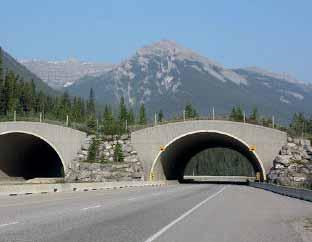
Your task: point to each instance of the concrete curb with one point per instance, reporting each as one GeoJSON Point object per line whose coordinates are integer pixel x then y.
{"type": "Point", "coordinates": [25, 189]}
{"type": "Point", "coordinates": [299, 193]}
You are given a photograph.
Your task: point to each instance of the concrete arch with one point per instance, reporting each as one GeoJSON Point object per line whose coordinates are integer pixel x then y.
{"type": "Point", "coordinates": [240, 142]}
{"type": "Point", "coordinates": [67, 142]}
{"type": "Point", "coordinates": [38, 137]}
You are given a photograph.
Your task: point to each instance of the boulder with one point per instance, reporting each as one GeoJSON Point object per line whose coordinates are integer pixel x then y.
{"type": "Point", "coordinates": [127, 148]}
{"type": "Point", "coordinates": [299, 179]}
{"type": "Point", "coordinates": [283, 159]}
{"type": "Point", "coordinates": [124, 137]}
{"type": "Point", "coordinates": [120, 166]}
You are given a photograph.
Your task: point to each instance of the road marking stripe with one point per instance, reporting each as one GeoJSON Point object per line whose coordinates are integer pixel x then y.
{"type": "Point", "coordinates": [164, 229]}
{"type": "Point", "coordinates": [97, 206]}
{"type": "Point", "coordinates": [3, 225]}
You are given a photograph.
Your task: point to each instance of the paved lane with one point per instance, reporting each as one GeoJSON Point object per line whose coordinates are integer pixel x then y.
{"type": "Point", "coordinates": [200, 212]}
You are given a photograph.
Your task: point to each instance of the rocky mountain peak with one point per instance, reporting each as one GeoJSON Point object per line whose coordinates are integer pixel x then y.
{"type": "Point", "coordinates": [173, 49]}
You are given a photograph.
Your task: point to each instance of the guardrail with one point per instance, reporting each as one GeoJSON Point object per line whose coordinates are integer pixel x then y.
{"type": "Point", "coordinates": [300, 193]}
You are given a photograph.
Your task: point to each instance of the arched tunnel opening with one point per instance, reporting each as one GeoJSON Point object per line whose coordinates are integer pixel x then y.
{"type": "Point", "coordinates": [27, 156]}
{"type": "Point", "coordinates": [197, 152]}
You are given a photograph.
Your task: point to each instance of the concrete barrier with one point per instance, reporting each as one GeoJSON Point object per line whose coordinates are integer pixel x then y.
{"type": "Point", "coordinates": [69, 187]}
{"type": "Point", "coordinates": [303, 194]}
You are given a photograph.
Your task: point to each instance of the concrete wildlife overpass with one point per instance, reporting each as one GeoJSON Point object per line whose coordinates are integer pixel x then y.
{"type": "Point", "coordinates": [166, 149]}
{"type": "Point", "coordinates": [31, 149]}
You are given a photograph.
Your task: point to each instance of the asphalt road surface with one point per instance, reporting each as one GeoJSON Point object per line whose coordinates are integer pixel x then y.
{"type": "Point", "coordinates": [189, 212]}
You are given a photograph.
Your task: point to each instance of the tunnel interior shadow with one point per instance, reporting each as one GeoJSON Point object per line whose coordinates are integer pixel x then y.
{"type": "Point", "coordinates": [28, 156]}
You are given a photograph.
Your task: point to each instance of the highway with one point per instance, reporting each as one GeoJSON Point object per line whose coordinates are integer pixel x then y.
{"type": "Point", "coordinates": [188, 212]}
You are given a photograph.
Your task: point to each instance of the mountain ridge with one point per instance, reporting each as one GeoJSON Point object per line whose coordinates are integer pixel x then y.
{"type": "Point", "coordinates": [59, 74]}
{"type": "Point", "coordinates": [11, 64]}
{"type": "Point", "coordinates": [166, 76]}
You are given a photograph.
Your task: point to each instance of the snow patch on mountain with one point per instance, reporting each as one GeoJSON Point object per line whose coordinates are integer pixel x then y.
{"type": "Point", "coordinates": [295, 95]}
{"type": "Point", "coordinates": [284, 100]}
{"type": "Point", "coordinates": [281, 76]}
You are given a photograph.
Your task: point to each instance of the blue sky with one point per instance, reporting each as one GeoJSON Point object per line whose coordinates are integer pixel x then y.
{"type": "Point", "coordinates": [272, 34]}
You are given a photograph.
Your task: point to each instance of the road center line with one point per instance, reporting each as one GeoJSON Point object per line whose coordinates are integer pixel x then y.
{"type": "Point", "coordinates": [168, 226]}
{"type": "Point", "coordinates": [3, 225]}
{"type": "Point", "coordinates": [97, 206]}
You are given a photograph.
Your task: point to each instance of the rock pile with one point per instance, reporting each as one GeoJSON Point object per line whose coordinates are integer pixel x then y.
{"type": "Point", "coordinates": [293, 166]}
{"type": "Point", "coordinates": [105, 169]}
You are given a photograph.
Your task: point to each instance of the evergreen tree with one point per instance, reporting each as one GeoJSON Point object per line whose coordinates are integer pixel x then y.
{"type": "Point", "coordinates": [237, 114]}
{"type": "Point", "coordinates": [2, 93]}
{"type": "Point", "coordinates": [122, 116]}
{"type": "Point", "coordinates": [190, 111]}
{"type": "Point", "coordinates": [131, 117]}
{"type": "Point", "coordinates": [65, 105]}
{"type": "Point", "coordinates": [92, 124]}
{"type": "Point", "coordinates": [160, 116]}
{"type": "Point", "coordinates": [109, 125]}
{"type": "Point", "coordinates": [297, 124]}
{"type": "Point", "coordinates": [123, 113]}
{"type": "Point", "coordinates": [40, 105]}
{"type": "Point", "coordinates": [254, 115]}
{"type": "Point", "coordinates": [93, 150]}
{"type": "Point", "coordinates": [1, 65]}
{"type": "Point", "coordinates": [118, 154]}
{"type": "Point", "coordinates": [25, 97]}
{"type": "Point", "coordinates": [142, 115]}
{"type": "Point", "coordinates": [76, 112]}
{"type": "Point", "coordinates": [91, 103]}
{"type": "Point", "coordinates": [10, 92]}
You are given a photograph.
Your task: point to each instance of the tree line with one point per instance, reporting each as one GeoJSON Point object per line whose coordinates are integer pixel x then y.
{"type": "Point", "coordinates": [301, 125]}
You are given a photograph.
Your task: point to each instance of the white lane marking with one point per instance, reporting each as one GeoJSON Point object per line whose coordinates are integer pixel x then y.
{"type": "Point", "coordinates": [168, 226]}
{"type": "Point", "coordinates": [97, 206]}
{"type": "Point", "coordinates": [132, 198]}
{"type": "Point", "coordinates": [3, 225]}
